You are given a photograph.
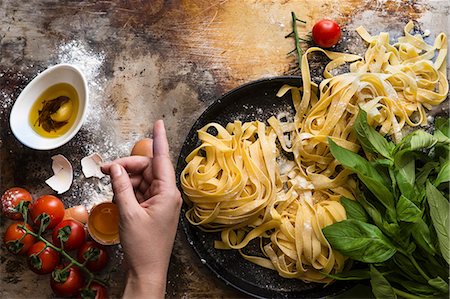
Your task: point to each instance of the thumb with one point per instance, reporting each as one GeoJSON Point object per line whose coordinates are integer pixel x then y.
{"type": "Point", "coordinates": [123, 190]}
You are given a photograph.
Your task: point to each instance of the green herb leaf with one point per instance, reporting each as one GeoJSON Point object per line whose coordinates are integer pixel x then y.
{"type": "Point", "coordinates": [360, 241]}
{"type": "Point", "coordinates": [442, 124]}
{"type": "Point", "coordinates": [444, 174]}
{"type": "Point", "coordinates": [407, 211]}
{"type": "Point", "coordinates": [374, 181]}
{"type": "Point", "coordinates": [422, 236]}
{"type": "Point", "coordinates": [407, 268]}
{"type": "Point", "coordinates": [405, 175]}
{"type": "Point", "coordinates": [369, 138]}
{"type": "Point", "coordinates": [381, 288]}
{"type": "Point", "coordinates": [416, 140]}
{"type": "Point", "coordinates": [424, 172]}
{"type": "Point", "coordinates": [439, 212]}
{"type": "Point", "coordinates": [354, 210]}
{"type": "Point", "coordinates": [439, 284]}
{"type": "Point", "coordinates": [414, 286]}
{"type": "Point", "coordinates": [390, 229]}
{"type": "Point", "coordinates": [350, 275]}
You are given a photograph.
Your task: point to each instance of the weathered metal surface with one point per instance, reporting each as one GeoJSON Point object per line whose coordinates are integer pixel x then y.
{"type": "Point", "coordinates": [147, 60]}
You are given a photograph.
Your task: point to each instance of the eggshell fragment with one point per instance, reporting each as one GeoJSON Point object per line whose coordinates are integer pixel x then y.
{"type": "Point", "coordinates": [63, 174]}
{"type": "Point", "coordinates": [78, 213]}
{"type": "Point", "coordinates": [90, 166]}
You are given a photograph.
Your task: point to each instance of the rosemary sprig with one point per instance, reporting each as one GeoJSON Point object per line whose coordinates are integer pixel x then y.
{"type": "Point", "coordinates": [50, 107]}
{"type": "Point", "coordinates": [297, 39]}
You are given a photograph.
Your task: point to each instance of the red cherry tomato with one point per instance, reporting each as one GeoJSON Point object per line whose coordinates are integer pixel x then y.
{"type": "Point", "coordinates": [11, 199]}
{"type": "Point", "coordinates": [94, 291]}
{"type": "Point", "coordinates": [14, 241]}
{"type": "Point", "coordinates": [40, 260]}
{"type": "Point", "coordinates": [326, 33]}
{"type": "Point", "coordinates": [49, 205]}
{"type": "Point", "coordinates": [97, 263]}
{"type": "Point", "coordinates": [66, 283]}
{"type": "Point", "coordinates": [70, 233]}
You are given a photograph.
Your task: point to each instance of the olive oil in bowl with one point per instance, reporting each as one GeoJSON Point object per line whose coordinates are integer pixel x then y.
{"type": "Point", "coordinates": [55, 110]}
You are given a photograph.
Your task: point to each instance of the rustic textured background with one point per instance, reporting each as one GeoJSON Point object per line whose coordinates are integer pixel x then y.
{"type": "Point", "coordinates": [147, 60]}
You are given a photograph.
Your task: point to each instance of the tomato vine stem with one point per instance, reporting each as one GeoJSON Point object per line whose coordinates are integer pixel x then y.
{"type": "Point", "coordinates": [72, 261]}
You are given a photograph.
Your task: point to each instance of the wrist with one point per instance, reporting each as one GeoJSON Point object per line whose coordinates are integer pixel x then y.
{"type": "Point", "coordinates": [145, 284]}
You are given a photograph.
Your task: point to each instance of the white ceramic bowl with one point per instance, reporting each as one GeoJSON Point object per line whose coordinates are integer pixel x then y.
{"type": "Point", "coordinates": [19, 119]}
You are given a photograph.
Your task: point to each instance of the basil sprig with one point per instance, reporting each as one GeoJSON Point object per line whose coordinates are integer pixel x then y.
{"type": "Point", "coordinates": [399, 224]}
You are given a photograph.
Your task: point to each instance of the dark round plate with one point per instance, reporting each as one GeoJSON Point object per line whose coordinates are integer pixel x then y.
{"type": "Point", "coordinates": [253, 101]}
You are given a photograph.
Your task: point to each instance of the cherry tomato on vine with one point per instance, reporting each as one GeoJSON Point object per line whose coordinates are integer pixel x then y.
{"type": "Point", "coordinates": [16, 239]}
{"type": "Point", "coordinates": [11, 199]}
{"type": "Point", "coordinates": [70, 233]}
{"type": "Point", "coordinates": [66, 283]}
{"type": "Point", "coordinates": [49, 205]}
{"type": "Point", "coordinates": [326, 33]}
{"type": "Point", "coordinates": [94, 291]}
{"type": "Point", "coordinates": [98, 254]}
{"type": "Point", "coordinates": [42, 259]}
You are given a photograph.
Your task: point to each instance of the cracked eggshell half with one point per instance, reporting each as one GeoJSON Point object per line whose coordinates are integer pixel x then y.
{"type": "Point", "coordinates": [62, 174]}
{"type": "Point", "coordinates": [90, 166]}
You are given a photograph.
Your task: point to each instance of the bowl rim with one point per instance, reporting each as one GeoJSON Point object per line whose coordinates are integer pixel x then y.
{"type": "Point", "coordinates": [84, 97]}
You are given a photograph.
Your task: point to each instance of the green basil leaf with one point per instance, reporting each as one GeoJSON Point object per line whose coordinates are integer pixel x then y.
{"type": "Point", "coordinates": [424, 172]}
{"type": "Point", "coordinates": [439, 212]}
{"type": "Point", "coordinates": [407, 268]}
{"type": "Point", "coordinates": [422, 236]}
{"type": "Point", "coordinates": [381, 287]}
{"type": "Point", "coordinates": [350, 275]}
{"type": "Point", "coordinates": [413, 287]}
{"type": "Point", "coordinates": [406, 175]}
{"type": "Point", "coordinates": [354, 210]}
{"type": "Point", "coordinates": [442, 125]}
{"type": "Point", "coordinates": [407, 211]}
{"type": "Point", "coordinates": [439, 284]}
{"type": "Point", "coordinates": [369, 138]}
{"type": "Point", "coordinates": [414, 141]}
{"type": "Point", "coordinates": [390, 229]}
{"type": "Point", "coordinates": [366, 172]}
{"type": "Point", "coordinates": [360, 241]}
{"type": "Point", "coordinates": [421, 139]}
{"type": "Point", "coordinates": [444, 174]}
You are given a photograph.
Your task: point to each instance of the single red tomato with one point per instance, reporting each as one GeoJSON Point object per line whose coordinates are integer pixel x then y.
{"type": "Point", "coordinates": [14, 241]}
{"type": "Point", "coordinates": [11, 199]}
{"type": "Point", "coordinates": [326, 33]}
{"type": "Point", "coordinates": [66, 283]}
{"type": "Point", "coordinates": [49, 205]}
{"type": "Point", "coordinates": [40, 260]}
{"type": "Point", "coordinates": [70, 233]}
{"type": "Point", "coordinates": [99, 256]}
{"type": "Point", "coordinates": [94, 291]}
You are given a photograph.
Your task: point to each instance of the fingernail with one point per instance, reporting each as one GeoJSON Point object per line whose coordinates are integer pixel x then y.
{"type": "Point", "coordinates": [116, 170]}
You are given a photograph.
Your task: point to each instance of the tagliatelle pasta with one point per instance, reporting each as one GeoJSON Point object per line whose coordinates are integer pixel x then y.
{"type": "Point", "coordinates": [239, 182]}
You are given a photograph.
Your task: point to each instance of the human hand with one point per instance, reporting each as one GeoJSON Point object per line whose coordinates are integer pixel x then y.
{"type": "Point", "coordinates": [149, 204]}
